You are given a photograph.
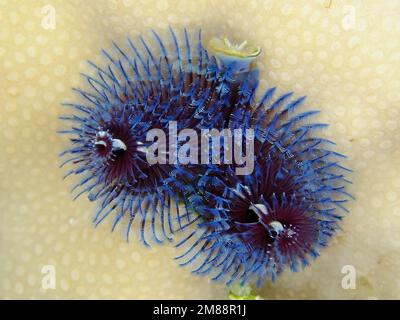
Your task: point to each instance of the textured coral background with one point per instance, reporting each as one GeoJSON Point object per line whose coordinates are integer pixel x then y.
{"type": "Point", "coordinates": [344, 55]}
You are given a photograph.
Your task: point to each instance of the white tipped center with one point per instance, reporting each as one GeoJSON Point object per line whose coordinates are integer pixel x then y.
{"type": "Point", "coordinates": [258, 207]}
{"type": "Point", "coordinates": [100, 143]}
{"type": "Point", "coordinates": [102, 134]}
{"type": "Point", "coordinates": [118, 145]}
{"type": "Point", "coordinates": [276, 226]}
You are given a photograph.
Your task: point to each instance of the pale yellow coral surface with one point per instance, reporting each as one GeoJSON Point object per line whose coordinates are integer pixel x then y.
{"type": "Point", "coordinates": [344, 55]}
